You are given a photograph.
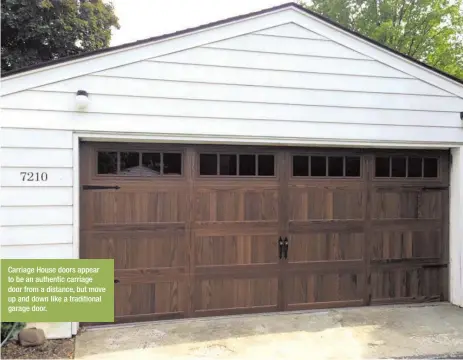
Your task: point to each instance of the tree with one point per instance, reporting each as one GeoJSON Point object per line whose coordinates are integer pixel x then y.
{"type": "Point", "coordinates": [428, 30]}
{"type": "Point", "coordinates": [34, 31]}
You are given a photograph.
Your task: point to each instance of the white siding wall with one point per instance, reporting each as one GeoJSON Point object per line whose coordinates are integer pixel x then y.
{"type": "Point", "coordinates": [36, 217]}
{"type": "Point", "coordinates": [282, 82]}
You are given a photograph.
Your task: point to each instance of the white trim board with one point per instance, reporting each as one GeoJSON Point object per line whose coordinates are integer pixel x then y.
{"type": "Point", "coordinates": [241, 140]}
{"type": "Point", "coordinates": [76, 208]}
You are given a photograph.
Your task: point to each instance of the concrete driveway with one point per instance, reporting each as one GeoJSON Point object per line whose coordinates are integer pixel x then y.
{"type": "Point", "coordinates": [431, 331]}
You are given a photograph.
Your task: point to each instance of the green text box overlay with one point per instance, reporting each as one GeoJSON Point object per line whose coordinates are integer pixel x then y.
{"type": "Point", "coordinates": [57, 290]}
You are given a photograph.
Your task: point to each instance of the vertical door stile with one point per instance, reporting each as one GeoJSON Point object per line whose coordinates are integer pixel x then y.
{"type": "Point", "coordinates": [368, 164]}
{"type": "Point", "coordinates": [190, 172]}
{"type": "Point", "coordinates": [445, 198]}
{"type": "Point", "coordinates": [284, 169]}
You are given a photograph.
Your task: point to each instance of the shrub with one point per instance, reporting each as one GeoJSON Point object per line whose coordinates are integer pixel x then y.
{"type": "Point", "coordinates": [7, 326]}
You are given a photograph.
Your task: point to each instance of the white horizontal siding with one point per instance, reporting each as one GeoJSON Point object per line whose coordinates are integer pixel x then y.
{"type": "Point", "coordinates": [200, 108]}
{"type": "Point", "coordinates": [380, 54]}
{"type": "Point", "coordinates": [222, 92]}
{"type": "Point", "coordinates": [249, 59]}
{"type": "Point", "coordinates": [31, 196]}
{"type": "Point", "coordinates": [278, 132]}
{"type": "Point", "coordinates": [48, 251]}
{"type": "Point", "coordinates": [23, 157]}
{"type": "Point", "coordinates": [291, 30]}
{"type": "Point", "coordinates": [35, 212]}
{"type": "Point", "coordinates": [36, 215]}
{"type": "Point", "coordinates": [11, 176]}
{"type": "Point", "coordinates": [32, 138]}
{"type": "Point", "coordinates": [291, 46]}
{"type": "Point", "coordinates": [36, 235]}
{"type": "Point", "coordinates": [143, 51]}
{"type": "Point", "coordinates": [258, 77]}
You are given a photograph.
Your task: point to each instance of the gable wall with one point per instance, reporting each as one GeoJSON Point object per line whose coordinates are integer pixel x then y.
{"type": "Point", "coordinates": [282, 81]}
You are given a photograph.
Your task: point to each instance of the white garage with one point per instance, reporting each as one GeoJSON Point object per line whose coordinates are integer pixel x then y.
{"type": "Point", "coordinates": [347, 152]}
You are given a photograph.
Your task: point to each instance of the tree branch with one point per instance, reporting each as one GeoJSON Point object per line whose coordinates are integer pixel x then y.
{"type": "Point", "coordinates": [402, 11]}
{"type": "Point", "coordinates": [423, 37]}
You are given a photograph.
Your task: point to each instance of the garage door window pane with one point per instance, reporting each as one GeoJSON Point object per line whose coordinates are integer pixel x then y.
{"type": "Point", "coordinates": [300, 165]}
{"type": "Point", "coordinates": [382, 167]}
{"type": "Point", "coordinates": [172, 164]}
{"type": "Point", "coordinates": [228, 164]}
{"type": "Point", "coordinates": [398, 167]}
{"type": "Point", "coordinates": [130, 164]}
{"type": "Point", "coordinates": [335, 166]}
{"type": "Point", "coordinates": [415, 167]}
{"type": "Point", "coordinates": [208, 164]}
{"type": "Point", "coordinates": [266, 165]}
{"type": "Point", "coordinates": [247, 165]}
{"type": "Point", "coordinates": [352, 166]}
{"type": "Point", "coordinates": [151, 164]}
{"type": "Point", "coordinates": [317, 166]}
{"type": "Point", "coordinates": [430, 168]}
{"type": "Point", "coordinates": [107, 162]}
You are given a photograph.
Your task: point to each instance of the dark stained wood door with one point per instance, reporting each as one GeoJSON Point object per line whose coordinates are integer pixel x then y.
{"type": "Point", "coordinates": [194, 230]}
{"type": "Point", "coordinates": [366, 228]}
{"type": "Point", "coordinates": [326, 240]}
{"type": "Point", "coordinates": [142, 225]}
{"type": "Point", "coordinates": [235, 231]}
{"type": "Point", "coordinates": [408, 245]}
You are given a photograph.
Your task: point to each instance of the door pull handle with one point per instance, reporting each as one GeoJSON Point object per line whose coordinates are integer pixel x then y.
{"type": "Point", "coordinates": [285, 247]}
{"type": "Point", "coordinates": [280, 247]}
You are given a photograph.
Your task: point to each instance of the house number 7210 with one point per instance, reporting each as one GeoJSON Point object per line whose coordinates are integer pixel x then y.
{"type": "Point", "coordinates": [34, 176]}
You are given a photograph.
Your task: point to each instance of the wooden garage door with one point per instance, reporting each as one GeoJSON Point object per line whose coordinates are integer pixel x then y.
{"type": "Point", "coordinates": [135, 210]}
{"type": "Point", "coordinates": [327, 199]}
{"type": "Point", "coordinates": [236, 224]}
{"type": "Point", "coordinates": [407, 227]}
{"type": "Point", "coordinates": [201, 230]}
{"type": "Point", "coordinates": [366, 228]}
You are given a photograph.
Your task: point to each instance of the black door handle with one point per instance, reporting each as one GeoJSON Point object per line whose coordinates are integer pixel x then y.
{"type": "Point", "coordinates": [280, 247]}
{"type": "Point", "coordinates": [285, 247]}
{"type": "Point", "coordinates": [116, 281]}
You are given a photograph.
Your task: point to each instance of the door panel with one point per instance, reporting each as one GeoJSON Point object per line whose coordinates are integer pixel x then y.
{"type": "Point", "coordinates": [408, 284]}
{"type": "Point", "coordinates": [407, 247]}
{"type": "Point", "coordinates": [236, 250]}
{"type": "Point", "coordinates": [136, 301]}
{"type": "Point", "coordinates": [235, 233]}
{"type": "Point", "coordinates": [325, 264]}
{"type": "Point", "coordinates": [406, 244]}
{"type": "Point", "coordinates": [142, 225]}
{"type": "Point", "coordinates": [409, 218]}
{"type": "Point", "coordinates": [235, 295]}
{"type": "Point", "coordinates": [328, 289]}
{"type": "Point", "coordinates": [322, 201]}
{"type": "Point", "coordinates": [328, 246]}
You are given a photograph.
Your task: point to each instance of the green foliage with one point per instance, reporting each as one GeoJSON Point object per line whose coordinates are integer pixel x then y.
{"type": "Point", "coordinates": [7, 326]}
{"type": "Point", "coordinates": [428, 30]}
{"type": "Point", "coordinates": [34, 31]}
